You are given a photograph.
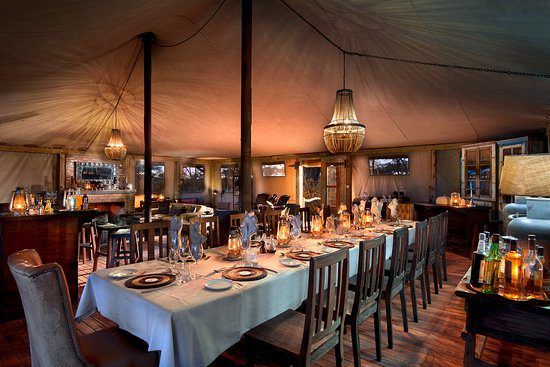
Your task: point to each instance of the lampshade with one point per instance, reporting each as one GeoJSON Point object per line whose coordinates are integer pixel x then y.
{"type": "Point", "coordinates": [527, 175]}
{"type": "Point", "coordinates": [344, 134]}
{"type": "Point", "coordinates": [115, 149]}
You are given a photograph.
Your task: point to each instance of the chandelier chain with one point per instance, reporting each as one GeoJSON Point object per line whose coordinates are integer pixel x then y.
{"type": "Point", "coordinates": [412, 61]}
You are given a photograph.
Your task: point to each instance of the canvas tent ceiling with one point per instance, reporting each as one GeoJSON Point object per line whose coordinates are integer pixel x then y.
{"type": "Point", "coordinates": [64, 63]}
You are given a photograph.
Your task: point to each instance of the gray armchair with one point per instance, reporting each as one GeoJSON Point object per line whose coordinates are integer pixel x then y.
{"type": "Point", "coordinates": [52, 331]}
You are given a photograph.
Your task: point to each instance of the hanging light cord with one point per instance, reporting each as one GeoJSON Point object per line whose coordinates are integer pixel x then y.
{"type": "Point", "coordinates": [416, 62]}
{"type": "Point", "coordinates": [196, 32]}
{"type": "Point", "coordinates": [113, 111]}
{"type": "Point", "coordinates": [344, 73]}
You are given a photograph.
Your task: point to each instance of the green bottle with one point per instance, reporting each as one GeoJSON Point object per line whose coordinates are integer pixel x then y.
{"type": "Point", "coordinates": [492, 267]}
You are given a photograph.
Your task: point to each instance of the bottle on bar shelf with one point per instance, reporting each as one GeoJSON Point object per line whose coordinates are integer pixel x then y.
{"type": "Point", "coordinates": [512, 278]}
{"type": "Point", "coordinates": [504, 247]}
{"type": "Point", "coordinates": [545, 272]}
{"type": "Point", "coordinates": [487, 242]}
{"type": "Point", "coordinates": [532, 272]}
{"type": "Point", "coordinates": [492, 266]}
{"type": "Point", "coordinates": [478, 262]}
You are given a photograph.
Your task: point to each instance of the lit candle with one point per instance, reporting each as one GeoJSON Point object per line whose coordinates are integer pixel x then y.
{"type": "Point", "coordinates": [366, 219]}
{"type": "Point", "coordinates": [345, 219]}
{"type": "Point", "coordinates": [316, 225]}
{"type": "Point", "coordinates": [283, 232]}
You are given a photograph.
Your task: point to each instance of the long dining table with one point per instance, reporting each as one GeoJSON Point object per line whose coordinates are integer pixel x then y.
{"type": "Point", "coordinates": [191, 325]}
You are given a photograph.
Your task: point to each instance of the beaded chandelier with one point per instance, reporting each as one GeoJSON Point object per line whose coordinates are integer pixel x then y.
{"type": "Point", "coordinates": [115, 149]}
{"type": "Point", "coordinates": [345, 133]}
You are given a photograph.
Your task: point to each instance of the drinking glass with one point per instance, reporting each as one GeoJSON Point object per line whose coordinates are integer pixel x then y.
{"type": "Point", "coordinates": [196, 254]}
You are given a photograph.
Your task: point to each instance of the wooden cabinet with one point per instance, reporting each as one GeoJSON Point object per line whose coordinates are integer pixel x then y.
{"type": "Point", "coordinates": [479, 174]}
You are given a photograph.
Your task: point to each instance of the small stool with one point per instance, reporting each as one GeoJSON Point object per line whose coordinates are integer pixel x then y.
{"type": "Point", "coordinates": [99, 244]}
{"type": "Point", "coordinates": [87, 241]}
{"type": "Point", "coordinates": [119, 249]}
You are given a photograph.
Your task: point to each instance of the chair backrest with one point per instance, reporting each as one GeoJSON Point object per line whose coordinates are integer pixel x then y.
{"type": "Point", "coordinates": [50, 320]}
{"type": "Point", "coordinates": [235, 220]}
{"type": "Point", "coordinates": [271, 219]}
{"type": "Point", "coordinates": [420, 247]}
{"type": "Point", "coordinates": [210, 227]}
{"type": "Point", "coordinates": [370, 273]}
{"type": "Point", "coordinates": [143, 234]}
{"type": "Point", "coordinates": [434, 227]}
{"type": "Point", "coordinates": [444, 227]}
{"type": "Point", "coordinates": [261, 199]}
{"type": "Point", "coordinates": [305, 215]}
{"type": "Point", "coordinates": [283, 199]}
{"type": "Point", "coordinates": [399, 257]}
{"type": "Point", "coordinates": [327, 297]}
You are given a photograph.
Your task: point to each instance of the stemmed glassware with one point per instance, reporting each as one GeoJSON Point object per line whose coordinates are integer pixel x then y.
{"type": "Point", "coordinates": [197, 252]}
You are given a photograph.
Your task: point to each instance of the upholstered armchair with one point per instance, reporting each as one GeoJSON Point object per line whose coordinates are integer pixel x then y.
{"type": "Point", "coordinates": [52, 331]}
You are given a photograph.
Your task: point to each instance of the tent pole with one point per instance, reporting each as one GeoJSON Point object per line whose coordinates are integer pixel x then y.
{"type": "Point", "coordinates": [246, 106]}
{"type": "Point", "coordinates": [147, 39]}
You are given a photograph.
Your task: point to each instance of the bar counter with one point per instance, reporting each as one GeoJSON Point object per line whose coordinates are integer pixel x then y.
{"type": "Point", "coordinates": [53, 236]}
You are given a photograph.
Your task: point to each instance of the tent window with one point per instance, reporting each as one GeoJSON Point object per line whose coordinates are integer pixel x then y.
{"type": "Point", "coordinates": [275, 169]}
{"type": "Point", "coordinates": [389, 166]}
{"type": "Point", "coordinates": [157, 175]}
{"type": "Point", "coordinates": [229, 176]}
{"type": "Point", "coordinates": [192, 179]}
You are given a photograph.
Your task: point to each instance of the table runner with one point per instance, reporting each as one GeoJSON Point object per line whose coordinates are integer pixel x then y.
{"type": "Point", "coordinates": [191, 325]}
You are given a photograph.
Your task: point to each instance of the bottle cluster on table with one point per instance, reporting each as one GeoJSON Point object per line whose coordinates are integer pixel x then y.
{"type": "Point", "coordinates": [501, 266]}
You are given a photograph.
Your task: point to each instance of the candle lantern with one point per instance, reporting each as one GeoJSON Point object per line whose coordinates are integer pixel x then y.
{"type": "Point", "coordinates": [316, 225]}
{"type": "Point", "coordinates": [283, 232]}
{"type": "Point", "coordinates": [235, 244]}
{"type": "Point", "coordinates": [345, 220]}
{"type": "Point", "coordinates": [366, 219]}
{"type": "Point", "coordinates": [455, 199]}
{"type": "Point", "coordinates": [19, 202]}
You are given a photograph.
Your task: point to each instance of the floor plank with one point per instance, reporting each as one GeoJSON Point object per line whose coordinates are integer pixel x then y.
{"type": "Point", "coordinates": [433, 341]}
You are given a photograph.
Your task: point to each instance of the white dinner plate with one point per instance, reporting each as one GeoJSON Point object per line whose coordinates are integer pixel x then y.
{"type": "Point", "coordinates": [122, 273]}
{"type": "Point", "coordinates": [291, 263]}
{"type": "Point", "coordinates": [328, 250]}
{"type": "Point", "coordinates": [218, 284]}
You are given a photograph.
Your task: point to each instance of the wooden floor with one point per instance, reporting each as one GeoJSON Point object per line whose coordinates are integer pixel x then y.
{"type": "Point", "coordinates": [434, 341]}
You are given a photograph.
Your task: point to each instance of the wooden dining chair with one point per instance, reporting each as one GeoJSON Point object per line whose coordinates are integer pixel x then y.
{"type": "Point", "coordinates": [442, 258]}
{"type": "Point", "coordinates": [364, 297]}
{"type": "Point", "coordinates": [431, 258]}
{"type": "Point", "coordinates": [305, 216]}
{"type": "Point", "coordinates": [394, 279]}
{"type": "Point", "coordinates": [299, 339]}
{"type": "Point", "coordinates": [417, 266]}
{"type": "Point", "coordinates": [143, 235]}
{"type": "Point", "coordinates": [210, 227]}
{"type": "Point", "coordinates": [235, 220]}
{"type": "Point", "coordinates": [271, 219]}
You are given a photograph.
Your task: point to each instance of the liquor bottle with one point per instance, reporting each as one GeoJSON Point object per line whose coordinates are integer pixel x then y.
{"type": "Point", "coordinates": [512, 272]}
{"type": "Point", "coordinates": [487, 241]}
{"type": "Point", "coordinates": [504, 247]}
{"type": "Point", "coordinates": [492, 267]}
{"type": "Point", "coordinates": [532, 272]}
{"type": "Point", "coordinates": [545, 272]}
{"type": "Point", "coordinates": [478, 262]}
{"type": "Point", "coordinates": [85, 202]}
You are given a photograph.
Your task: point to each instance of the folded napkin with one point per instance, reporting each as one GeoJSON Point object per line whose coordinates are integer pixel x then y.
{"type": "Point", "coordinates": [196, 239]}
{"type": "Point", "coordinates": [376, 208]}
{"type": "Point", "coordinates": [249, 226]}
{"type": "Point", "coordinates": [296, 225]}
{"type": "Point", "coordinates": [392, 206]}
{"type": "Point", "coordinates": [362, 205]}
{"type": "Point", "coordinates": [356, 214]}
{"type": "Point", "coordinates": [342, 208]}
{"type": "Point", "coordinates": [176, 225]}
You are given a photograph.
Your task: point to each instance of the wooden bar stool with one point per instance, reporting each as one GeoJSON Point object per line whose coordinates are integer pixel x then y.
{"type": "Point", "coordinates": [120, 248]}
{"type": "Point", "coordinates": [87, 241]}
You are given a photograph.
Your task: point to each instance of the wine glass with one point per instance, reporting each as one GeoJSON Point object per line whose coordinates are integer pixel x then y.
{"type": "Point", "coordinates": [196, 254]}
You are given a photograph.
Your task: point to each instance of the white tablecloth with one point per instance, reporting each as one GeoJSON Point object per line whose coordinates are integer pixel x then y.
{"type": "Point", "coordinates": [191, 325]}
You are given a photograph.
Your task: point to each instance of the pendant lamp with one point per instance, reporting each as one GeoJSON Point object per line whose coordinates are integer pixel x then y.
{"type": "Point", "coordinates": [345, 133]}
{"type": "Point", "coordinates": [115, 149]}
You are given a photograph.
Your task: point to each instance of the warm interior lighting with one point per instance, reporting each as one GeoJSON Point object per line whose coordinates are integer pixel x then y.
{"type": "Point", "coordinates": [115, 149]}
{"type": "Point", "coordinates": [455, 199]}
{"type": "Point", "coordinates": [283, 232]}
{"type": "Point", "coordinates": [316, 225]}
{"type": "Point", "coordinates": [344, 134]}
{"type": "Point", "coordinates": [526, 175]}
{"type": "Point", "coordinates": [366, 219]}
{"type": "Point", "coordinates": [234, 245]}
{"type": "Point", "coordinates": [19, 200]}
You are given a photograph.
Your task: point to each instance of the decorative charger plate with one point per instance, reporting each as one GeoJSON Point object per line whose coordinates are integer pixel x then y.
{"type": "Point", "coordinates": [122, 273]}
{"type": "Point", "coordinates": [150, 281]}
{"type": "Point", "coordinates": [338, 244]}
{"type": "Point", "coordinates": [244, 273]}
{"type": "Point", "coordinates": [302, 255]}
